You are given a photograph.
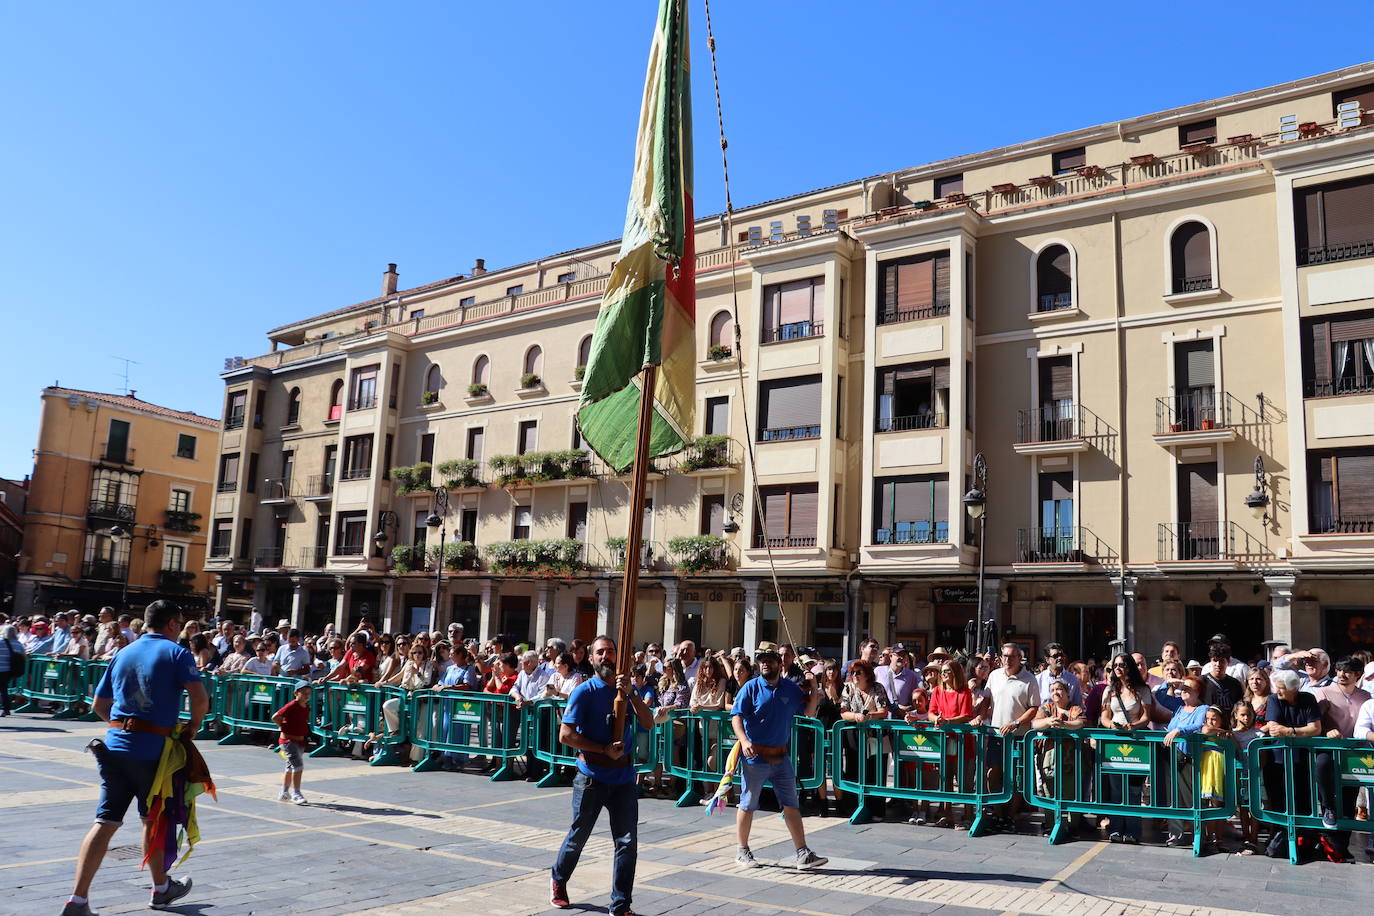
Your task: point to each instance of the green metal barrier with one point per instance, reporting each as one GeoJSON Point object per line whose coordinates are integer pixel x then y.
{"type": "Point", "coordinates": [1176, 775]}
{"type": "Point", "coordinates": [869, 764]}
{"type": "Point", "coordinates": [341, 714]}
{"type": "Point", "coordinates": [247, 703]}
{"type": "Point", "coordinates": [467, 722]}
{"type": "Point", "coordinates": [54, 679]}
{"type": "Point", "coordinates": [212, 691]}
{"type": "Point", "coordinates": [696, 745]}
{"type": "Point", "coordinates": [1285, 785]}
{"type": "Point", "coordinates": [91, 673]}
{"type": "Point", "coordinates": [543, 720]}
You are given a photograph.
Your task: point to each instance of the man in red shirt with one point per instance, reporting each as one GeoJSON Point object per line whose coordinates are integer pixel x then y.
{"type": "Point", "coordinates": [294, 721]}
{"type": "Point", "coordinates": [359, 664]}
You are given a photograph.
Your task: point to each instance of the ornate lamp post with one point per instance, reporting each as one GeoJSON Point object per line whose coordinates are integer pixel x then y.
{"type": "Point", "coordinates": [438, 519]}
{"type": "Point", "coordinates": [975, 501]}
{"type": "Point", "coordinates": [122, 538]}
{"type": "Point", "coordinates": [1257, 500]}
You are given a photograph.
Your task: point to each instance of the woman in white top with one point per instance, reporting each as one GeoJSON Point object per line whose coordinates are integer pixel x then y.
{"type": "Point", "coordinates": [1127, 705]}
{"type": "Point", "coordinates": [564, 679]}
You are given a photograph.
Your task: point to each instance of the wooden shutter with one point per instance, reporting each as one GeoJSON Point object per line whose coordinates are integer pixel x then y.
{"type": "Point", "coordinates": [915, 285]}
{"type": "Point", "coordinates": [941, 265]}
{"type": "Point", "coordinates": [1056, 378]}
{"type": "Point", "coordinates": [941, 376]}
{"type": "Point", "coordinates": [805, 511]}
{"type": "Point", "coordinates": [1352, 328]}
{"type": "Point", "coordinates": [1321, 349]}
{"type": "Point", "coordinates": [939, 498]}
{"type": "Point", "coordinates": [476, 441]}
{"type": "Point", "coordinates": [792, 402]}
{"type": "Point", "coordinates": [1307, 214]}
{"type": "Point", "coordinates": [1197, 493]}
{"type": "Point", "coordinates": [774, 510]}
{"type": "Point", "coordinates": [891, 269]}
{"type": "Point", "coordinates": [1192, 251]}
{"type": "Point", "coordinates": [529, 432]}
{"type": "Point", "coordinates": [1355, 484]}
{"type": "Point", "coordinates": [1193, 365]}
{"type": "Point", "coordinates": [1348, 211]}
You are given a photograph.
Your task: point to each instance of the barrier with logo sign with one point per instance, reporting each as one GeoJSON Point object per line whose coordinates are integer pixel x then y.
{"type": "Point", "coordinates": [467, 722]}
{"type": "Point", "coordinates": [544, 719]}
{"type": "Point", "coordinates": [54, 679]}
{"type": "Point", "coordinates": [341, 714]}
{"type": "Point", "coordinates": [1300, 776]}
{"type": "Point", "coordinates": [212, 692]}
{"type": "Point", "coordinates": [696, 745]}
{"type": "Point", "coordinates": [247, 703]}
{"type": "Point", "coordinates": [869, 759]}
{"type": "Point", "coordinates": [1192, 781]}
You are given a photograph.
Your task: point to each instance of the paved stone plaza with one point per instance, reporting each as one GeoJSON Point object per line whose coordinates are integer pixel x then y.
{"type": "Point", "coordinates": [386, 840]}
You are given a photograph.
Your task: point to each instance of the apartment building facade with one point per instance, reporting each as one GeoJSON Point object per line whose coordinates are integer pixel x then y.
{"type": "Point", "coordinates": [1158, 334]}
{"type": "Point", "coordinates": [116, 504]}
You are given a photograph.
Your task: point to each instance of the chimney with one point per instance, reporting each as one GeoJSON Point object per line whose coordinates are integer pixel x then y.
{"type": "Point", "coordinates": [480, 267]}
{"type": "Point", "coordinates": [389, 280]}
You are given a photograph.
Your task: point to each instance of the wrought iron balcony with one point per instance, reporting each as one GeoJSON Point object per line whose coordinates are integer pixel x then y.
{"type": "Point", "coordinates": [234, 419]}
{"type": "Point", "coordinates": [276, 489]}
{"type": "Point", "coordinates": [796, 330]}
{"type": "Point", "coordinates": [894, 316]}
{"type": "Point", "coordinates": [105, 509]}
{"type": "Point", "coordinates": [313, 557]}
{"type": "Point", "coordinates": [227, 486]}
{"type": "Point", "coordinates": [722, 556]}
{"type": "Point", "coordinates": [1330, 388]}
{"type": "Point", "coordinates": [349, 550]}
{"type": "Point", "coordinates": [782, 543]}
{"type": "Point", "coordinates": [1064, 422]}
{"type": "Point", "coordinates": [1327, 254]}
{"type": "Point", "coordinates": [1343, 524]}
{"type": "Point", "coordinates": [219, 551]}
{"type": "Point", "coordinates": [917, 421]}
{"type": "Point", "coordinates": [319, 486]}
{"type": "Point", "coordinates": [175, 580]}
{"type": "Point", "coordinates": [270, 558]}
{"type": "Point", "coordinates": [116, 453]}
{"type": "Point", "coordinates": [357, 473]}
{"type": "Point", "coordinates": [649, 553]}
{"type": "Point", "coordinates": [787, 433]}
{"type": "Point", "coordinates": [179, 520]}
{"type": "Point", "coordinates": [1183, 541]}
{"type": "Point", "coordinates": [704, 457]}
{"type": "Point", "coordinates": [105, 570]}
{"type": "Point", "coordinates": [1053, 302]}
{"type": "Point", "coordinates": [1192, 284]}
{"type": "Point", "coordinates": [363, 401]}
{"type": "Point", "coordinates": [1058, 544]}
{"type": "Point", "coordinates": [917, 532]}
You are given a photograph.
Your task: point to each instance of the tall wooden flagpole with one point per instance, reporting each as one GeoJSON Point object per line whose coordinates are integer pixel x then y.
{"type": "Point", "coordinates": [629, 592]}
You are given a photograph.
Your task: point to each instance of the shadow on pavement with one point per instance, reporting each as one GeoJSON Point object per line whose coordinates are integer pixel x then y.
{"type": "Point", "coordinates": [362, 809]}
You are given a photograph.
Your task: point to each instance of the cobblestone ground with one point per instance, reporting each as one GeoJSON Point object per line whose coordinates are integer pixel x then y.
{"type": "Point", "coordinates": [385, 840]}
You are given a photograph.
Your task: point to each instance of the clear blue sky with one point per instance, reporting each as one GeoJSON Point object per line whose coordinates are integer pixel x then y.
{"type": "Point", "coordinates": [175, 179]}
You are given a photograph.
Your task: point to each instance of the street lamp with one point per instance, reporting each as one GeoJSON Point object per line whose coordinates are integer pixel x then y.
{"type": "Point", "coordinates": [1257, 501]}
{"type": "Point", "coordinates": [976, 503]}
{"type": "Point", "coordinates": [385, 519]}
{"type": "Point", "coordinates": [123, 538]}
{"type": "Point", "coordinates": [437, 519]}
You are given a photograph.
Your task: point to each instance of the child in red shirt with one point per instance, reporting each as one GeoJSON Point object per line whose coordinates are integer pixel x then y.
{"type": "Point", "coordinates": [294, 721]}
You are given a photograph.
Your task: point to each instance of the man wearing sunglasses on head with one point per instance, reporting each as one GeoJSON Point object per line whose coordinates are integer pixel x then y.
{"type": "Point", "coordinates": [1055, 671]}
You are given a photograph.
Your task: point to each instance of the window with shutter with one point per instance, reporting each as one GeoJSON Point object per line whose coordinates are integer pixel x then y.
{"type": "Point", "coordinates": [911, 510]}
{"type": "Point", "coordinates": [713, 514]}
{"type": "Point", "coordinates": [1364, 95]}
{"type": "Point", "coordinates": [1069, 159]}
{"type": "Point", "coordinates": [914, 288]}
{"type": "Point", "coordinates": [722, 331]}
{"type": "Point", "coordinates": [1054, 282]}
{"type": "Point", "coordinates": [913, 397]}
{"type": "Point", "coordinates": [1354, 486]}
{"type": "Point", "coordinates": [949, 184]}
{"type": "Point", "coordinates": [1335, 222]}
{"type": "Point", "coordinates": [790, 514]}
{"type": "Point", "coordinates": [476, 441]}
{"type": "Point", "coordinates": [528, 437]}
{"type": "Point", "coordinates": [791, 311]}
{"type": "Point", "coordinates": [790, 409]}
{"type": "Point", "coordinates": [1197, 132]}
{"type": "Point", "coordinates": [1191, 250]}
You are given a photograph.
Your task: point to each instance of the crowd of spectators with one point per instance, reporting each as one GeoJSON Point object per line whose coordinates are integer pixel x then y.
{"type": "Point", "coordinates": [1287, 693]}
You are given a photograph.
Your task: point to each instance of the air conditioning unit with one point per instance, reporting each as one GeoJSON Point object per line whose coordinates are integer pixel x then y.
{"type": "Point", "coordinates": [830, 220]}
{"type": "Point", "coordinates": [775, 230]}
{"type": "Point", "coordinates": [1348, 115]}
{"type": "Point", "coordinates": [1288, 128]}
{"type": "Point", "coordinates": [803, 224]}
{"type": "Point", "coordinates": [755, 235]}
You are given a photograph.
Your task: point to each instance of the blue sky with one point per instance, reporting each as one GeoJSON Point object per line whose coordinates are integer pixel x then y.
{"type": "Point", "coordinates": [175, 179]}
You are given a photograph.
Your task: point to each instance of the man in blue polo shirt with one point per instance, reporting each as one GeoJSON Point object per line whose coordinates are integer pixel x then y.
{"type": "Point", "coordinates": [605, 775]}
{"type": "Point", "coordinates": [140, 697]}
{"type": "Point", "coordinates": [763, 713]}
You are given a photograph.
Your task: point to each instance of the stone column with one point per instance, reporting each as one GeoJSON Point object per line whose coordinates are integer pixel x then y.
{"type": "Point", "coordinates": [1125, 611]}
{"type": "Point", "coordinates": [671, 612]}
{"type": "Point", "coordinates": [543, 610]}
{"type": "Point", "coordinates": [221, 596]}
{"type": "Point", "coordinates": [260, 602]}
{"type": "Point", "coordinates": [388, 612]}
{"type": "Point", "coordinates": [1281, 607]}
{"type": "Point", "coordinates": [490, 592]}
{"type": "Point", "coordinates": [297, 606]}
{"type": "Point", "coordinates": [753, 610]}
{"type": "Point", "coordinates": [341, 605]}
{"type": "Point", "coordinates": [605, 604]}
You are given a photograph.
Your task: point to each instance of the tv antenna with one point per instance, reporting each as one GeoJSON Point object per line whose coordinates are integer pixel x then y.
{"type": "Point", "coordinates": [125, 374]}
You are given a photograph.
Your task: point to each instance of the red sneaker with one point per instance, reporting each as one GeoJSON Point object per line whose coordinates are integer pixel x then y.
{"type": "Point", "coordinates": [558, 894]}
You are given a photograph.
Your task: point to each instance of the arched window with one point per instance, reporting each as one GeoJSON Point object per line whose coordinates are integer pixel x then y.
{"type": "Point", "coordinates": [481, 371]}
{"type": "Point", "coordinates": [1053, 279]}
{"type": "Point", "coordinates": [722, 332]}
{"type": "Point", "coordinates": [336, 400]}
{"type": "Point", "coordinates": [434, 380]}
{"type": "Point", "coordinates": [534, 361]}
{"type": "Point", "coordinates": [1190, 249]}
{"type": "Point", "coordinates": [584, 351]}
{"type": "Point", "coordinates": [293, 407]}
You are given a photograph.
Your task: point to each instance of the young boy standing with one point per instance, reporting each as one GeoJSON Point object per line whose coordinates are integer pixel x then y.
{"type": "Point", "coordinates": [294, 721]}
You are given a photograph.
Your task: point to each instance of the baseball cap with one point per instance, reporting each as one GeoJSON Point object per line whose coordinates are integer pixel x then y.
{"type": "Point", "coordinates": [1220, 637]}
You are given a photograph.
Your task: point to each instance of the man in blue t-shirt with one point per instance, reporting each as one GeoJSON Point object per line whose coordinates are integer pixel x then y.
{"type": "Point", "coordinates": [140, 697]}
{"type": "Point", "coordinates": [605, 775]}
{"type": "Point", "coordinates": [763, 713]}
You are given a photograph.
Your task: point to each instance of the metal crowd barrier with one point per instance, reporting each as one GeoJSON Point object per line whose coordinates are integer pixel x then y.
{"type": "Point", "coordinates": [212, 690]}
{"type": "Point", "coordinates": [341, 714]}
{"type": "Point", "coordinates": [543, 720]}
{"type": "Point", "coordinates": [696, 745]}
{"type": "Point", "coordinates": [1179, 776]}
{"type": "Point", "coordinates": [54, 679]}
{"type": "Point", "coordinates": [248, 702]}
{"type": "Point", "coordinates": [1336, 768]}
{"type": "Point", "coordinates": [467, 722]}
{"type": "Point", "coordinates": [891, 759]}
{"type": "Point", "coordinates": [91, 673]}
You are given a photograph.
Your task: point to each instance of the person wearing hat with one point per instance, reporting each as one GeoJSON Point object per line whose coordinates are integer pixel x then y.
{"type": "Point", "coordinates": [762, 718]}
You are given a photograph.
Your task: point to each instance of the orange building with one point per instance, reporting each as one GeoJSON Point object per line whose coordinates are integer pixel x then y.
{"type": "Point", "coordinates": [115, 506]}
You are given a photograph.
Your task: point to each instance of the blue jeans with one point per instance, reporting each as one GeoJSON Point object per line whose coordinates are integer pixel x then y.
{"type": "Point", "coordinates": [622, 805]}
{"type": "Point", "coordinates": [1124, 790]}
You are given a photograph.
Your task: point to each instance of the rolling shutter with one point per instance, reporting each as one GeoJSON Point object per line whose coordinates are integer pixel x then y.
{"type": "Point", "coordinates": [1056, 486]}
{"type": "Point", "coordinates": [1362, 94]}
{"type": "Point", "coordinates": [774, 510]}
{"type": "Point", "coordinates": [1352, 329]}
{"type": "Point", "coordinates": [1348, 210]}
{"type": "Point", "coordinates": [942, 376]}
{"type": "Point", "coordinates": [915, 285]}
{"type": "Point", "coordinates": [1198, 132]}
{"type": "Point", "coordinates": [1355, 485]}
{"type": "Point", "coordinates": [1198, 493]}
{"type": "Point", "coordinates": [1056, 379]}
{"type": "Point", "coordinates": [1193, 365]}
{"type": "Point", "coordinates": [941, 280]}
{"type": "Point", "coordinates": [795, 304]}
{"type": "Point", "coordinates": [805, 511]}
{"type": "Point", "coordinates": [1192, 251]}
{"type": "Point", "coordinates": [792, 402]}
{"type": "Point", "coordinates": [713, 514]}
{"type": "Point", "coordinates": [1321, 349]}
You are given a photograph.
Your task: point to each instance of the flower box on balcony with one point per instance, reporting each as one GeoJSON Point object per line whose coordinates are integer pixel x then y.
{"type": "Point", "coordinates": [1090, 171]}
{"type": "Point", "coordinates": [1200, 148]}
{"type": "Point", "coordinates": [1042, 181]}
{"type": "Point", "coordinates": [923, 205]}
{"type": "Point", "coordinates": [956, 198]}
{"type": "Point", "coordinates": [1309, 128]}
{"type": "Point", "coordinates": [1004, 188]}
{"type": "Point", "coordinates": [1209, 424]}
{"type": "Point", "coordinates": [1241, 140]}
{"type": "Point", "coordinates": [719, 351]}
{"type": "Point", "coordinates": [1175, 427]}
{"type": "Point", "coordinates": [1144, 159]}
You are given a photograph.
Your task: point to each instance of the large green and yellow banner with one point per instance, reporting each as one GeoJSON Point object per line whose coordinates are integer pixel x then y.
{"type": "Point", "coordinates": [648, 313]}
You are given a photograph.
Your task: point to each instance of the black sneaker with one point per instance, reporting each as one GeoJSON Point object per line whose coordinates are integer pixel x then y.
{"type": "Point", "coordinates": [77, 909]}
{"type": "Point", "coordinates": [558, 894]}
{"type": "Point", "coordinates": [174, 892]}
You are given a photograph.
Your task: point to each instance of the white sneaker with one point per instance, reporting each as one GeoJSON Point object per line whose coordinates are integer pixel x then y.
{"type": "Point", "coordinates": [285, 796]}
{"type": "Point", "coordinates": [298, 799]}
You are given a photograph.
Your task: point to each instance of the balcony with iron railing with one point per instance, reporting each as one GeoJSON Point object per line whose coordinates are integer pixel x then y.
{"type": "Point", "coordinates": [1200, 415]}
{"type": "Point", "coordinates": [363, 401]}
{"type": "Point", "coordinates": [176, 581]}
{"type": "Point", "coordinates": [795, 330]}
{"type": "Point", "coordinates": [1343, 524]}
{"type": "Point", "coordinates": [105, 570]}
{"type": "Point", "coordinates": [1057, 428]}
{"type": "Point", "coordinates": [227, 486]}
{"type": "Point", "coordinates": [1072, 544]}
{"type": "Point", "coordinates": [1053, 302]}
{"type": "Point", "coordinates": [182, 520]}
{"type": "Point", "coordinates": [702, 554]}
{"type": "Point", "coordinates": [275, 490]}
{"type": "Point", "coordinates": [1330, 254]}
{"type": "Point", "coordinates": [116, 453]}
{"type": "Point", "coordinates": [358, 473]}
{"type": "Point", "coordinates": [270, 558]}
{"type": "Point", "coordinates": [107, 509]}
{"type": "Point", "coordinates": [219, 551]}
{"type": "Point", "coordinates": [234, 418]}
{"type": "Point", "coordinates": [649, 554]}
{"type": "Point", "coordinates": [785, 542]}
{"type": "Point", "coordinates": [1323, 387]}
{"type": "Point", "coordinates": [898, 316]}
{"type": "Point", "coordinates": [927, 420]}
{"type": "Point", "coordinates": [922, 531]}
{"type": "Point", "coordinates": [313, 558]}
{"type": "Point", "coordinates": [349, 550]}
{"type": "Point", "coordinates": [1182, 285]}
{"type": "Point", "coordinates": [1209, 541]}
{"type": "Point", "coordinates": [709, 455]}
{"type": "Point", "coordinates": [319, 486]}
{"type": "Point", "coordinates": [789, 433]}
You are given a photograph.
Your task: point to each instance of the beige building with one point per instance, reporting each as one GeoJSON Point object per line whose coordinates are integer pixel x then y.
{"type": "Point", "coordinates": [117, 504]}
{"type": "Point", "coordinates": [1122, 320]}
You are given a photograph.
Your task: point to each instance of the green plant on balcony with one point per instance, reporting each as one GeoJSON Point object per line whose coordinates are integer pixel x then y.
{"type": "Point", "coordinates": [175, 580]}
{"type": "Point", "coordinates": [556, 557]}
{"type": "Point", "coordinates": [697, 553]}
{"type": "Point", "coordinates": [412, 479]}
{"type": "Point", "coordinates": [615, 549]}
{"type": "Point", "coordinates": [539, 467]}
{"type": "Point", "coordinates": [406, 558]}
{"type": "Point", "coordinates": [707, 452]}
{"type": "Point", "coordinates": [429, 397]}
{"type": "Point", "coordinates": [182, 521]}
{"type": "Point", "coordinates": [719, 351]}
{"type": "Point", "coordinates": [580, 372]}
{"type": "Point", "coordinates": [458, 555]}
{"type": "Point", "coordinates": [477, 390]}
{"type": "Point", "coordinates": [459, 473]}
{"type": "Point", "coordinates": [530, 380]}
